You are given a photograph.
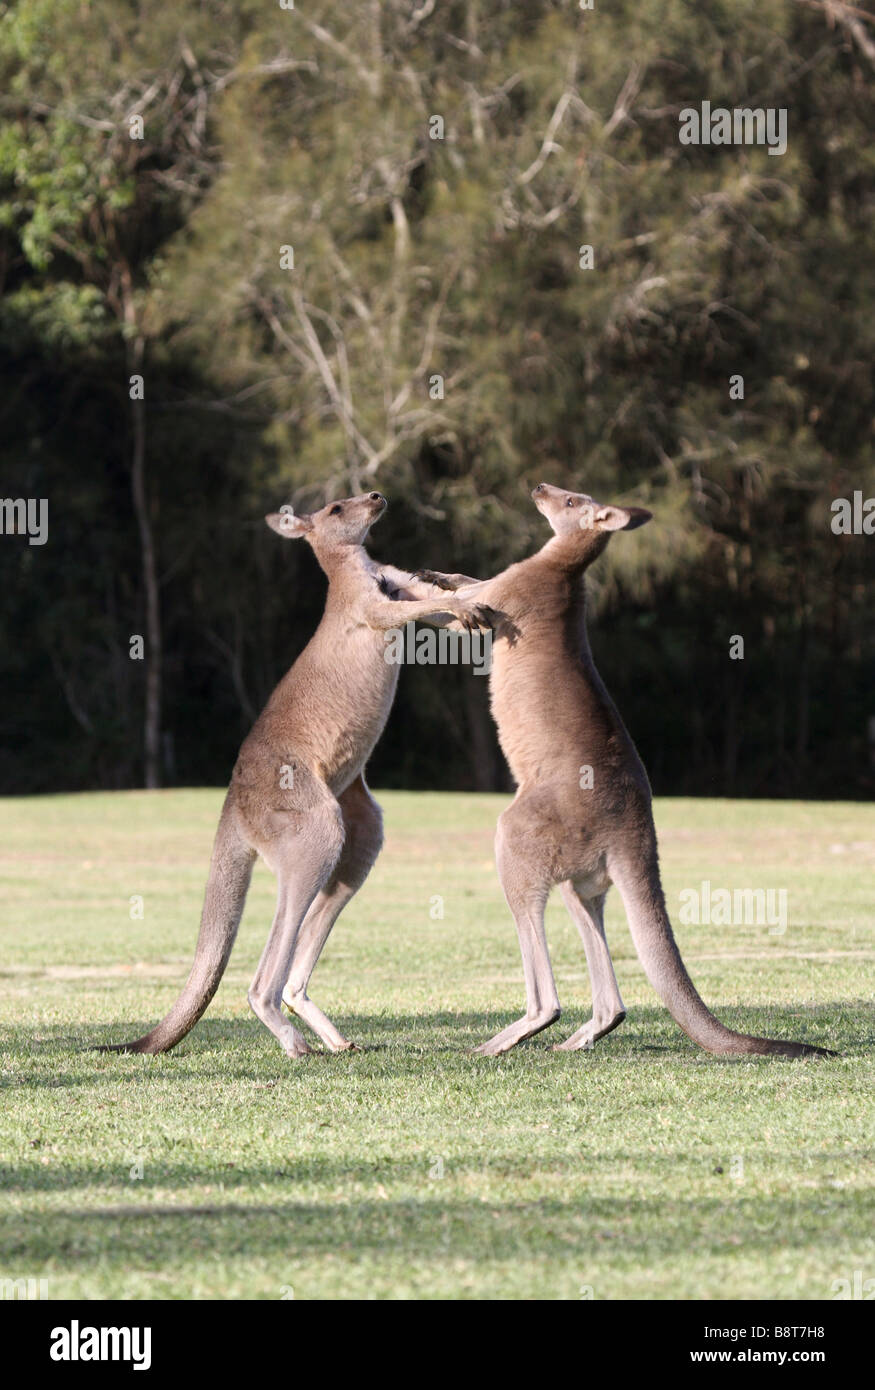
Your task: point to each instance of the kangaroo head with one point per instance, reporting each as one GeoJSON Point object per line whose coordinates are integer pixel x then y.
{"type": "Point", "coordinates": [335, 526]}
{"type": "Point", "coordinates": [577, 515]}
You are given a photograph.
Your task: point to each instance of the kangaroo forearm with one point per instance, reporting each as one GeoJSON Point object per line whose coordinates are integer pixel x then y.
{"type": "Point", "coordinates": [445, 581]}
{"type": "Point", "coordinates": [482, 591]}
{"type": "Point", "coordinates": [401, 585]}
{"type": "Point", "coordinates": [409, 586]}
{"type": "Point", "coordinates": [459, 581]}
{"type": "Point", "coordinates": [395, 613]}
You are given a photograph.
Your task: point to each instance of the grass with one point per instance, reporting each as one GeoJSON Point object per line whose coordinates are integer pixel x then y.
{"type": "Point", "coordinates": [642, 1169]}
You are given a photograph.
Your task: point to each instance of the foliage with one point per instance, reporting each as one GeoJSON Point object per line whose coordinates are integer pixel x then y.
{"type": "Point", "coordinates": [455, 257]}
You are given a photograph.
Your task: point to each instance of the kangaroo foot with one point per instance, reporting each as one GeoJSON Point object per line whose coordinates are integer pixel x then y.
{"type": "Point", "coordinates": [514, 1033]}
{"type": "Point", "coordinates": [589, 1034]}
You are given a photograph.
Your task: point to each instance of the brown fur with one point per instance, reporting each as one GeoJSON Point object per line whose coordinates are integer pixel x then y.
{"type": "Point", "coordinates": [298, 795]}
{"type": "Point", "coordinates": [554, 719]}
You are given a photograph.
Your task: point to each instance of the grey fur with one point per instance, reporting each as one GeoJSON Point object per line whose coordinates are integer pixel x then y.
{"type": "Point", "coordinates": [298, 795]}
{"type": "Point", "coordinates": [555, 717]}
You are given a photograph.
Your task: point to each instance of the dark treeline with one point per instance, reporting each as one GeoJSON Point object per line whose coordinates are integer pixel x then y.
{"type": "Point", "coordinates": [344, 247]}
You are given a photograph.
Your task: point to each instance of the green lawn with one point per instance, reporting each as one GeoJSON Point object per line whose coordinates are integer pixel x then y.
{"type": "Point", "coordinates": [642, 1169]}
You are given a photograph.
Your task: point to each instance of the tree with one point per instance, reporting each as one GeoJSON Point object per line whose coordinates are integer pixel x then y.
{"type": "Point", "coordinates": [448, 251]}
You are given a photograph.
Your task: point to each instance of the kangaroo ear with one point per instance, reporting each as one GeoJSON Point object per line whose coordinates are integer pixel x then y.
{"type": "Point", "coordinates": [288, 525]}
{"type": "Point", "coordinates": [621, 518]}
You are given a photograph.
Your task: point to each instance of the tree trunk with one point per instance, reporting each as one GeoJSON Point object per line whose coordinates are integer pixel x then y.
{"type": "Point", "coordinates": [730, 729]}
{"type": "Point", "coordinates": [152, 707]}
{"type": "Point", "coordinates": [803, 705]}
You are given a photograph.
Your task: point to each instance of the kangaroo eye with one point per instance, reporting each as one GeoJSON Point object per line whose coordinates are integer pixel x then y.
{"type": "Point", "coordinates": [335, 511]}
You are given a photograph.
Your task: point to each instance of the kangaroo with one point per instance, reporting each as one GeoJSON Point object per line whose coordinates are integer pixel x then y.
{"type": "Point", "coordinates": [298, 795]}
{"type": "Point", "coordinates": [555, 718]}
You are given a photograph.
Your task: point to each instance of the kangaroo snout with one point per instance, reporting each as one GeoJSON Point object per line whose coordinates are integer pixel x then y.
{"type": "Point", "coordinates": [544, 491]}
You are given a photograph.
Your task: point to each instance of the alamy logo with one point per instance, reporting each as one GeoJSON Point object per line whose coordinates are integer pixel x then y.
{"type": "Point", "coordinates": [853, 518]}
{"type": "Point", "coordinates": [404, 645]}
{"type": "Point", "coordinates": [75, 1343]}
{"type": "Point", "coordinates": [27, 1288]}
{"type": "Point", "coordinates": [858, 1288]}
{"type": "Point", "coordinates": [742, 907]}
{"type": "Point", "coordinates": [741, 126]}
{"type": "Point", "coordinates": [25, 516]}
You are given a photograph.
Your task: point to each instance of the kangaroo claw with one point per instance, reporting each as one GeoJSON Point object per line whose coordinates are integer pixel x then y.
{"type": "Point", "coordinates": [440, 581]}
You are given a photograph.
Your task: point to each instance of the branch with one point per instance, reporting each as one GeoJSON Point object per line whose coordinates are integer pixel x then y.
{"type": "Point", "coordinates": [437, 309]}
{"type": "Point", "coordinates": [849, 19]}
{"type": "Point", "coordinates": [419, 15]}
{"type": "Point", "coordinates": [77, 710]}
{"type": "Point", "coordinates": [370, 79]}
{"type": "Point", "coordinates": [276, 68]}
{"type": "Point", "coordinates": [628, 93]}
{"type": "Point", "coordinates": [547, 145]}
{"type": "Point", "coordinates": [323, 365]}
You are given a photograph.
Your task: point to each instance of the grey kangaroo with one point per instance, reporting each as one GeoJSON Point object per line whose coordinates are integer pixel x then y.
{"type": "Point", "coordinates": [298, 795]}
{"type": "Point", "coordinates": [555, 718]}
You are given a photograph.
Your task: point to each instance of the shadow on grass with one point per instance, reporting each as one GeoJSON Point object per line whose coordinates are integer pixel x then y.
{"type": "Point", "coordinates": [266, 1211]}
{"type": "Point", "coordinates": [634, 1231]}
{"type": "Point", "coordinates": [405, 1040]}
{"type": "Point", "coordinates": [285, 1174]}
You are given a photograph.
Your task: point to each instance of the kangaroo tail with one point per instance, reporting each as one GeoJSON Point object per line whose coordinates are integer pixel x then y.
{"type": "Point", "coordinates": [658, 952]}
{"type": "Point", "coordinates": [227, 885]}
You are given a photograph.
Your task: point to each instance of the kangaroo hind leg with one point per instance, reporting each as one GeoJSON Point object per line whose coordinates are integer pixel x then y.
{"type": "Point", "coordinates": [608, 1009]}
{"type": "Point", "coordinates": [363, 823]}
{"type": "Point", "coordinates": [525, 889]}
{"type": "Point", "coordinates": [303, 863]}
